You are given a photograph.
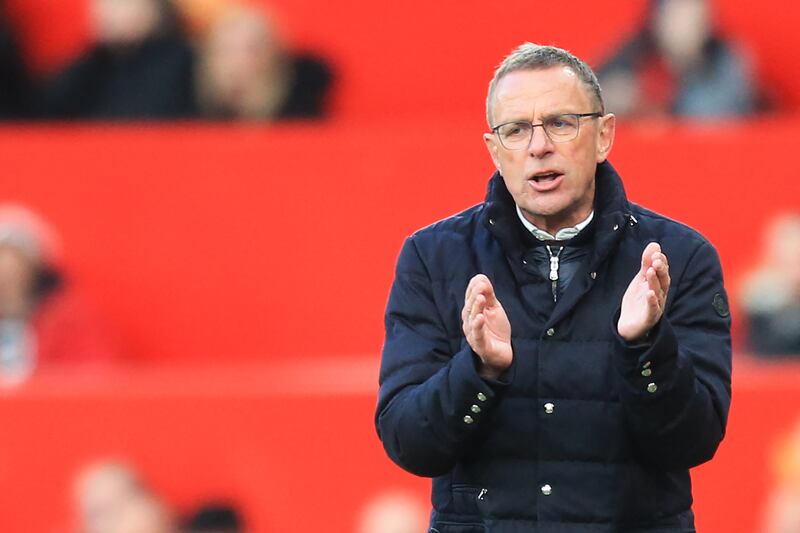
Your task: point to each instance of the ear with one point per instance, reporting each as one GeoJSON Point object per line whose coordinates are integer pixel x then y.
{"type": "Point", "coordinates": [605, 137]}
{"type": "Point", "coordinates": [493, 147]}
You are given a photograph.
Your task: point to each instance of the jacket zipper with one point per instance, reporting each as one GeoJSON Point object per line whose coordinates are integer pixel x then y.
{"type": "Point", "coordinates": [554, 269]}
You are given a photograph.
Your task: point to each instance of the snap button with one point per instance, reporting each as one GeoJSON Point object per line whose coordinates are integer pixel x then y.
{"type": "Point", "coordinates": [475, 409]}
{"type": "Point", "coordinates": [551, 332]}
{"type": "Point", "coordinates": [468, 420]}
{"type": "Point", "coordinates": [647, 372]}
{"type": "Point", "coordinates": [481, 397]}
{"type": "Point", "coordinates": [652, 387]}
{"type": "Point", "coordinates": [549, 407]}
{"type": "Point", "coordinates": [593, 275]}
{"type": "Point", "coordinates": [616, 227]}
{"type": "Point", "coordinates": [547, 490]}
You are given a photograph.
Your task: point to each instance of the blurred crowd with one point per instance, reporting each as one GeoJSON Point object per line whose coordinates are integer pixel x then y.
{"type": "Point", "coordinates": [770, 295]}
{"type": "Point", "coordinates": [112, 497]}
{"type": "Point", "coordinates": [226, 60]}
{"type": "Point", "coordinates": [678, 64]}
{"type": "Point", "coordinates": [43, 321]}
{"type": "Point", "coordinates": [146, 61]}
{"type": "Point", "coordinates": [164, 60]}
{"type": "Point", "coordinates": [782, 510]}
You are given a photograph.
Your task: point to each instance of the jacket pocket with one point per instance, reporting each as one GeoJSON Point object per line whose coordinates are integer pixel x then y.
{"type": "Point", "coordinates": [468, 500]}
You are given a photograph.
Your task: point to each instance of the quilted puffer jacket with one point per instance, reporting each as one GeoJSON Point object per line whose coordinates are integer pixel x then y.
{"type": "Point", "coordinates": [584, 432]}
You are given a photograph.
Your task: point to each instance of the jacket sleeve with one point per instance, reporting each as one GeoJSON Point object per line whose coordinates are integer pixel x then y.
{"type": "Point", "coordinates": [432, 402]}
{"type": "Point", "coordinates": [677, 389]}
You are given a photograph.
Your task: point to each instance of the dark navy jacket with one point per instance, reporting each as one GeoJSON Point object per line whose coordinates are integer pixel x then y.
{"type": "Point", "coordinates": [584, 433]}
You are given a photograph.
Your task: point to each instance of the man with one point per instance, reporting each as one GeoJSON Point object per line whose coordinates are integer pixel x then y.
{"type": "Point", "coordinates": [556, 358]}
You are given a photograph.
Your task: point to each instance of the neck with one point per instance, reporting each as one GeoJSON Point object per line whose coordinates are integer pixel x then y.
{"type": "Point", "coordinates": [554, 224]}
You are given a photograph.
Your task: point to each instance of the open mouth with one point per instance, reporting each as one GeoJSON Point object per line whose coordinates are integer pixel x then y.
{"type": "Point", "coordinates": [545, 177]}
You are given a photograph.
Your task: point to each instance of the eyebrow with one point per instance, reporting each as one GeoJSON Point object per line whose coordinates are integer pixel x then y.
{"type": "Point", "coordinates": [543, 118]}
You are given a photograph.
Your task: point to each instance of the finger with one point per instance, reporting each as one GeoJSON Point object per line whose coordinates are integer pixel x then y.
{"type": "Point", "coordinates": [477, 328]}
{"type": "Point", "coordinates": [660, 261]}
{"type": "Point", "coordinates": [477, 338]}
{"type": "Point", "coordinates": [478, 279]}
{"type": "Point", "coordinates": [654, 284]}
{"type": "Point", "coordinates": [663, 274]}
{"type": "Point", "coordinates": [647, 255]}
{"type": "Point", "coordinates": [653, 304]}
{"type": "Point", "coordinates": [666, 272]}
{"type": "Point", "coordinates": [474, 280]}
{"type": "Point", "coordinates": [470, 288]}
{"type": "Point", "coordinates": [652, 280]}
{"type": "Point", "coordinates": [478, 285]}
{"type": "Point", "coordinates": [473, 289]}
{"type": "Point", "coordinates": [468, 301]}
{"type": "Point", "coordinates": [663, 257]}
{"type": "Point", "coordinates": [489, 294]}
{"type": "Point", "coordinates": [478, 305]}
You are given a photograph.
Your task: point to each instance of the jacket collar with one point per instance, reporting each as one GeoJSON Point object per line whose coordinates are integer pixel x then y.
{"type": "Point", "coordinates": [612, 218]}
{"type": "Point", "coordinates": [611, 206]}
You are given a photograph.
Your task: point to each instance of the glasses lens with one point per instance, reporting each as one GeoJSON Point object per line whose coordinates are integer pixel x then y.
{"type": "Point", "coordinates": [515, 135]}
{"type": "Point", "coordinates": [562, 128]}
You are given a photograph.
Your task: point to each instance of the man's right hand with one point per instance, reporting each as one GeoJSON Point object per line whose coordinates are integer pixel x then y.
{"type": "Point", "coordinates": [486, 327]}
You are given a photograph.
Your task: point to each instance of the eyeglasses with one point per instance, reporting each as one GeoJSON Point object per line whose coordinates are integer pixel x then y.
{"type": "Point", "coordinates": [558, 128]}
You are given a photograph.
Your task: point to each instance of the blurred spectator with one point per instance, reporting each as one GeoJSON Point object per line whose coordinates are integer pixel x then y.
{"type": "Point", "coordinates": [771, 294]}
{"type": "Point", "coordinates": [245, 73]}
{"type": "Point", "coordinates": [139, 67]}
{"type": "Point", "coordinates": [41, 321]}
{"type": "Point", "coordinates": [110, 497]}
{"type": "Point", "coordinates": [393, 512]}
{"type": "Point", "coordinates": [677, 64]}
{"type": "Point", "coordinates": [783, 502]}
{"type": "Point", "coordinates": [214, 518]}
{"type": "Point", "coordinates": [15, 84]}
{"type": "Point", "coordinates": [199, 14]}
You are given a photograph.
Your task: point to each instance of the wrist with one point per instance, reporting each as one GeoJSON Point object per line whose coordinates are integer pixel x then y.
{"type": "Point", "coordinates": [633, 335]}
{"type": "Point", "coordinates": [636, 337]}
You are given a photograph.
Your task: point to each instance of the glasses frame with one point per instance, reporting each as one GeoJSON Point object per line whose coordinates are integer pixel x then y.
{"type": "Point", "coordinates": [578, 116]}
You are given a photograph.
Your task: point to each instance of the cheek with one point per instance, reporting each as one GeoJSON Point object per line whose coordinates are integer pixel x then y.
{"type": "Point", "coordinates": [512, 163]}
{"type": "Point", "coordinates": [584, 160]}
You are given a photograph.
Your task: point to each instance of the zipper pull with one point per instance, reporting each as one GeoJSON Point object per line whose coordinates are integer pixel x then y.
{"type": "Point", "coordinates": [482, 494]}
{"type": "Point", "coordinates": [553, 268]}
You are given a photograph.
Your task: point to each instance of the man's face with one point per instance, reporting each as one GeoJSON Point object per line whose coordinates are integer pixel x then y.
{"type": "Point", "coordinates": [240, 54]}
{"type": "Point", "coordinates": [552, 183]}
{"type": "Point", "coordinates": [125, 22]}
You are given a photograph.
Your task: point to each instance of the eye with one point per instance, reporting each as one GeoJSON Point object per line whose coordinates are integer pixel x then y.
{"type": "Point", "coordinates": [516, 129]}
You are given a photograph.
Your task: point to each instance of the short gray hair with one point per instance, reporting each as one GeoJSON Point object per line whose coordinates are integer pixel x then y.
{"type": "Point", "coordinates": [530, 56]}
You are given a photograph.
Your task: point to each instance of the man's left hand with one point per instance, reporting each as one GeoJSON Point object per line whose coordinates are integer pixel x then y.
{"type": "Point", "coordinates": [644, 300]}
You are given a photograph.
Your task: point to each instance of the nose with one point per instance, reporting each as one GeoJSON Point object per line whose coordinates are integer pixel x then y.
{"type": "Point", "coordinates": [540, 144]}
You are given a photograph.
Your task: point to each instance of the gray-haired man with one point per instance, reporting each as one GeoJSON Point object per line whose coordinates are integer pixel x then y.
{"type": "Point", "coordinates": [556, 358]}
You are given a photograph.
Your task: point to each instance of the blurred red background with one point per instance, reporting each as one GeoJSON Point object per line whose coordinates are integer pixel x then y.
{"type": "Point", "coordinates": [245, 268]}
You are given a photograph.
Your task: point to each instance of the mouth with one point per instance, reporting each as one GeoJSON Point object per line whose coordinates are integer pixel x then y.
{"type": "Point", "coordinates": [544, 177]}
{"type": "Point", "coordinates": [545, 181]}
